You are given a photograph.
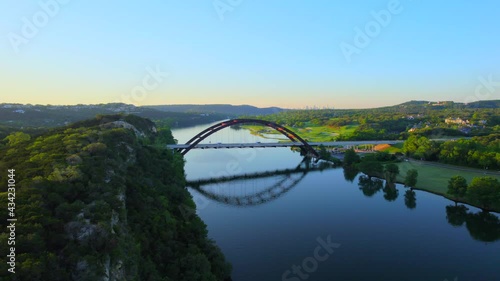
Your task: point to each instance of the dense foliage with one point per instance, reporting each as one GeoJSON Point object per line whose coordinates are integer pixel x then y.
{"type": "Point", "coordinates": [98, 199]}
{"type": "Point", "coordinates": [400, 121]}
{"type": "Point", "coordinates": [479, 152]}
{"type": "Point", "coordinates": [391, 171]}
{"type": "Point", "coordinates": [457, 186]}
{"type": "Point", "coordinates": [485, 191]}
{"type": "Point", "coordinates": [350, 158]}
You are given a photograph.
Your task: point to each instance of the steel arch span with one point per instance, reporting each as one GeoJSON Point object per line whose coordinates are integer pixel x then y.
{"type": "Point", "coordinates": [306, 148]}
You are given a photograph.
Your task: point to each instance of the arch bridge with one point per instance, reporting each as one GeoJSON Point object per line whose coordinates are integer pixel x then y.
{"type": "Point", "coordinates": [297, 141]}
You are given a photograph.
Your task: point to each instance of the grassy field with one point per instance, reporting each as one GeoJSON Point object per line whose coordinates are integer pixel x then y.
{"type": "Point", "coordinates": [309, 132]}
{"type": "Point", "coordinates": [392, 148]}
{"type": "Point", "coordinates": [434, 178]}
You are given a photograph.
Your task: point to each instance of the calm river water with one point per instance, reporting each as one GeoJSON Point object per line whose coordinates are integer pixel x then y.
{"type": "Point", "coordinates": [317, 225]}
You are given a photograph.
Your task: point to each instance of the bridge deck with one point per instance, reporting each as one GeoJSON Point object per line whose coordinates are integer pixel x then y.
{"type": "Point", "coordinates": [279, 144]}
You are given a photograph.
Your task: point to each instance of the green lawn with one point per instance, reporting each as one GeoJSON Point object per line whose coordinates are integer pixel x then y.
{"type": "Point", "coordinates": [434, 178]}
{"type": "Point", "coordinates": [309, 132]}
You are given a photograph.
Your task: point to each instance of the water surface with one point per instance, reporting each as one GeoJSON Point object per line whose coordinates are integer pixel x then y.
{"type": "Point", "coordinates": [275, 227]}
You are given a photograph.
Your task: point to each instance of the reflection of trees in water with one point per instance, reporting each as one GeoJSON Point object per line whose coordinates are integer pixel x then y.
{"type": "Point", "coordinates": [410, 199]}
{"type": "Point", "coordinates": [350, 173]}
{"type": "Point", "coordinates": [369, 186]}
{"type": "Point", "coordinates": [482, 226]}
{"type": "Point", "coordinates": [456, 215]}
{"type": "Point", "coordinates": [391, 193]}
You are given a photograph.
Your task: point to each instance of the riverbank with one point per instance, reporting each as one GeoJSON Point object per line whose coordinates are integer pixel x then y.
{"type": "Point", "coordinates": [434, 177]}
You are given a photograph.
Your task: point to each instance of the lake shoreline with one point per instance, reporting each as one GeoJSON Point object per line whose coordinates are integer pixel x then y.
{"type": "Point", "coordinates": [492, 210]}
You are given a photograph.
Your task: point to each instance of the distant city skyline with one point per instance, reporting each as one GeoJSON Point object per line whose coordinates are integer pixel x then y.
{"type": "Point", "coordinates": [357, 54]}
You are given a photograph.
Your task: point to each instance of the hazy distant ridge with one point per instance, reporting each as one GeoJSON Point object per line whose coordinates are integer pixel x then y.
{"type": "Point", "coordinates": [218, 108]}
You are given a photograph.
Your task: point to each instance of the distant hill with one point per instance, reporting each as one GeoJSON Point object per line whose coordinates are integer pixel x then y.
{"type": "Point", "coordinates": [228, 109]}
{"type": "Point", "coordinates": [447, 104]}
{"type": "Point", "coordinates": [26, 115]}
{"type": "Point", "coordinates": [484, 104]}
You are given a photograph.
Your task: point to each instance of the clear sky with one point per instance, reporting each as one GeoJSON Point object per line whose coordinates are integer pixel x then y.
{"type": "Point", "coordinates": [293, 53]}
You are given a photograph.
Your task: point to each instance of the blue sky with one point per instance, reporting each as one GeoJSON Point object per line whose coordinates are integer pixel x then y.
{"type": "Point", "coordinates": [260, 52]}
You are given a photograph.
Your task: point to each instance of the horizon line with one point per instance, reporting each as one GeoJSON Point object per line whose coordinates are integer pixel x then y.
{"type": "Point", "coordinates": [309, 107]}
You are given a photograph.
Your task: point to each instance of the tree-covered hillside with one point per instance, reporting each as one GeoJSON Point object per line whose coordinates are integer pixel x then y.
{"type": "Point", "coordinates": [99, 200]}
{"type": "Point", "coordinates": [430, 119]}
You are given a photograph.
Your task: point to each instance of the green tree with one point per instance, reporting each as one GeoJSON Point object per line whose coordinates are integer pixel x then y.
{"type": "Point", "coordinates": [457, 186]}
{"type": "Point", "coordinates": [323, 153]}
{"type": "Point", "coordinates": [411, 178]}
{"type": "Point", "coordinates": [425, 148]}
{"type": "Point", "coordinates": [351, 157]}
{"type": "Point", "coordinates": [371, 168]}
{"type": "Point", "coordinates": [391, 171]}
{"type": "Point", "coordinates": [485, 191]}
{"type": "Point", "coordinates": [410, 145]}
{"type": "Point", "coordinates": [420, 147]}
{"type": "Point", "coordinates": [17, 137]}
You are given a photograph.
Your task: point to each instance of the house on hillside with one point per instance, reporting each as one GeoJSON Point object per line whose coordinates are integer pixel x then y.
{"type": "Point", "coordinates": [458, 121]}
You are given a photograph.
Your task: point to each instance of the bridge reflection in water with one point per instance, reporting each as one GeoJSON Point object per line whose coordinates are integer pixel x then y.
{"type": "Point", "coordinates": [481, 226]}
{"type": "Point", "coordinates": [288, 179]}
